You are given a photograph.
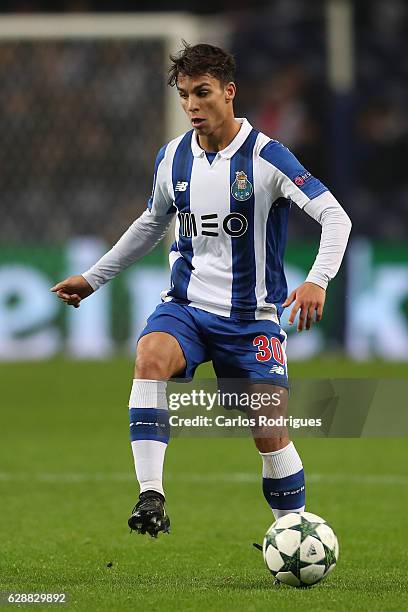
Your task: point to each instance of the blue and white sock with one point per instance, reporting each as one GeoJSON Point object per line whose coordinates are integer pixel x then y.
{"type": "Point", "coordinates": [149, 431]}
{"type": "Point", "coordinates": [283, 480]}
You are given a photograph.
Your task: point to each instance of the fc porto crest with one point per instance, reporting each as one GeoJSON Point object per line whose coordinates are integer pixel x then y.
{"type": "Point", "coordinates": [241, 188]}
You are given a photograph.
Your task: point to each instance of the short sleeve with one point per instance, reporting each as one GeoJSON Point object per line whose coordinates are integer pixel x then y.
{"type": "Point", "coordinates": [160, 202]}
{"type": "Point", "coordinates": [287, 177]}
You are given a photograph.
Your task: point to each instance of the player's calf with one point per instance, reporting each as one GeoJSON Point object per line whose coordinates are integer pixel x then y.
{"type": "Point", "coordinates": [149, 433]}
{"type": "Point", "coordinates": [283, 481]}
{"type": "Point", "coordinates": [149, 428]}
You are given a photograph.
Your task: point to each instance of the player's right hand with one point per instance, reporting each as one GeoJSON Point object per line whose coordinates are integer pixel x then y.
{"type": "Point", "coordinates": [72, 290]}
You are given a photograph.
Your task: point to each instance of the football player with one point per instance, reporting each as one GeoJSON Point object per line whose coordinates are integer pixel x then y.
{"type": "Point", "coordinates": [230, 189]}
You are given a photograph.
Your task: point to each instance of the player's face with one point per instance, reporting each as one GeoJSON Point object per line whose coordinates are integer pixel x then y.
{"type": "Point", "coordinates": [206, 101]}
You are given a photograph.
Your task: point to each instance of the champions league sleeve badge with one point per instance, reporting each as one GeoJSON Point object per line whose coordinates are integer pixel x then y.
{"type": "Point", "coordinates": [241, 188]}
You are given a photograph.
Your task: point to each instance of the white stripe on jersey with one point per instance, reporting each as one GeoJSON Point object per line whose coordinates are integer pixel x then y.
{"type": "Point", "coordinates": [210, 194]}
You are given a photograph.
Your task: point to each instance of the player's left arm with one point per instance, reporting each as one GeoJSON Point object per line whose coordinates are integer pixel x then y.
{"type": "Point", "coordinates": [286, 177]}
{"type": "Point", "coordinates": [308, 299]}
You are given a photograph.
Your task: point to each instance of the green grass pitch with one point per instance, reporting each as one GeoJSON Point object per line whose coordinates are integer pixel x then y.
{"type": "Point", "coordinates": [67, 486]}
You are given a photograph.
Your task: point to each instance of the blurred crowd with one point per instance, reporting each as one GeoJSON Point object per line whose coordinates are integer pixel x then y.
{"type": "Point", "coordinates": [381, 125]}
{"type": "Point", "coordinates": [284, 90]}
{"type": "Point", "coordinates": [78, 136]}
{"type": "Point", "coordinates": [81, 121]}
{"type": "Point", "coordinates": [117, 6]}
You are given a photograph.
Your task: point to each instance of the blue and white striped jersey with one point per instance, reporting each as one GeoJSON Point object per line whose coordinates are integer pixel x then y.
{"type": "Point", "coordinates": [231, 221]}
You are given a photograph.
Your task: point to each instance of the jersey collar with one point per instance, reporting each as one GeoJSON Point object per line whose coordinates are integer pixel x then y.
{"type": "Point", "coordinates": [233, 146]}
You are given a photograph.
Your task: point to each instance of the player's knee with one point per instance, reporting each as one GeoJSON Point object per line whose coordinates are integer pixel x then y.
{"type": "Point", "coordinates": [152, 366]}
{"type": "Point", "coordinates": [268, 443]}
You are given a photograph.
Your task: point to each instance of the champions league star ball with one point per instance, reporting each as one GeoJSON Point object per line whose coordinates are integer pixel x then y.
{"type": "Point", "coordinates": [300, 549]}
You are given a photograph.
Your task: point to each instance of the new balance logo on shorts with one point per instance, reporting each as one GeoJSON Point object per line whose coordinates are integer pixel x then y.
{"type": "Point", "coordinates": [275, 369]}
{"type": "Point", "coordinates": [181, 185]}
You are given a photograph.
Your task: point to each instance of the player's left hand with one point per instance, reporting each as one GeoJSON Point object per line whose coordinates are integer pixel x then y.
{"type": "Point", "coordinates": [309, 298]}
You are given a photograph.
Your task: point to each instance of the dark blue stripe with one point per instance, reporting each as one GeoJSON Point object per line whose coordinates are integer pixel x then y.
{"type": "Point", "coordinates": [243, 299]}
{"type": "Point", "coordinates": [278, 155]}
{"type": "Point", "coordinates": [285, 493]}
{"type": "Point", "coordinates": [180, 278]}
{"type": "Point", "coordinates": [149, 424]}
{"type": "Point", "coordinates": [159, 159]}
{"type": "Point", "coordinates": [181, 171]}
{"type": "Point", "coordinates": [276, 234]}
{"type": "Point", "coordinates": [210, 156]}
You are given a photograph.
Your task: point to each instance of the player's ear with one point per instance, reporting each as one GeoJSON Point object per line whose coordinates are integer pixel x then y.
{"type": "Point", "coordinates": [229, 91]}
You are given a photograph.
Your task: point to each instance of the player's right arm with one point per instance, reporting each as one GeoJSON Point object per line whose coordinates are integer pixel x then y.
{"type": "Point", "coordinates": [138, 240]}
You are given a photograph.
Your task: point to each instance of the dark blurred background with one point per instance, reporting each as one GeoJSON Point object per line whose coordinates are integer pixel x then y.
{"type": "Point", "coordinates": [49, 90]}
{"type": "Point", "coordinates": [82, 119]}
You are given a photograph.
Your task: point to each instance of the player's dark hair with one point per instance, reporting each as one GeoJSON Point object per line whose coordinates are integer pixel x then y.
{"type": "Point", "coordinates": [194, 60]}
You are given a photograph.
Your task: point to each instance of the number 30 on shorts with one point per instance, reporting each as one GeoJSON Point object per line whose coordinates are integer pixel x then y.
{"type": "Point", "coordinates": [268, 349]}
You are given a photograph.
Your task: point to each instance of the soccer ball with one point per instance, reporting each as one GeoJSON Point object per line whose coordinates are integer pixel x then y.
{"type": "Point", "coordinates": [300, 549]}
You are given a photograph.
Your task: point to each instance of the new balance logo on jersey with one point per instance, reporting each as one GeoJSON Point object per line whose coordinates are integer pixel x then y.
{"type": "Point", "coordinates": [275, 369]}
{"type": "Point", "coordinates": [181, 185]}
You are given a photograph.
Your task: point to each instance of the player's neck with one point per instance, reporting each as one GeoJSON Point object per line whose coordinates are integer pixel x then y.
{"type": "Point", "coordinates": [220, 138]}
